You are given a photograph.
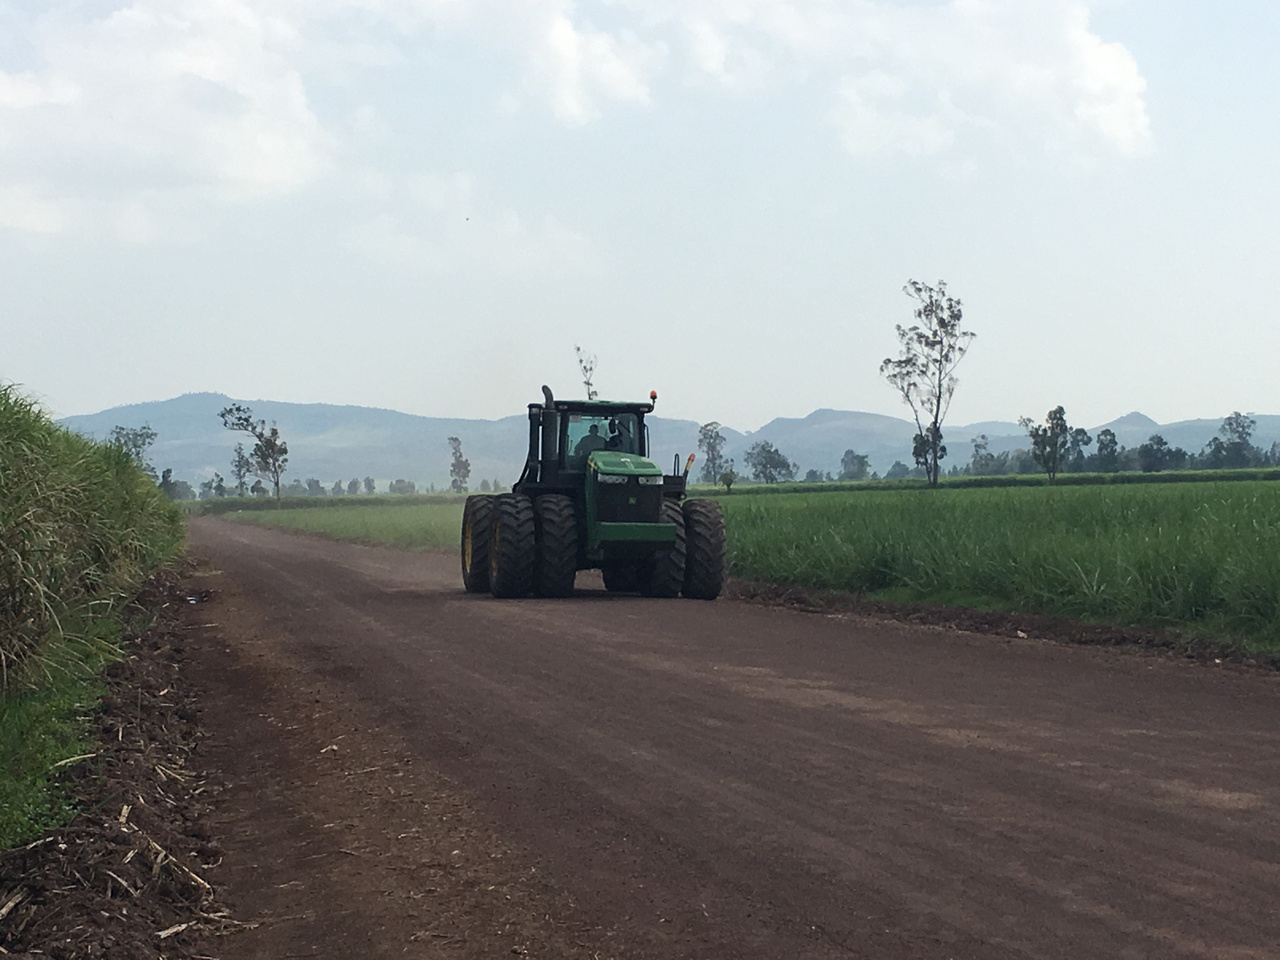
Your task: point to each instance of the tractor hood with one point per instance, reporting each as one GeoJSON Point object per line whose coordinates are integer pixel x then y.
{"type": "Point", "coordinates": [623, 464]}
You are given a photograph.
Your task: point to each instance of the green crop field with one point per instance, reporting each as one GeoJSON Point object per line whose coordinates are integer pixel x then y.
{"type": "Point", "coordinates": [1200, 556]}
{"type": "Point", "coordinates": [416, 526]}
{"type": "Point", "coordinates": [1205, 556]}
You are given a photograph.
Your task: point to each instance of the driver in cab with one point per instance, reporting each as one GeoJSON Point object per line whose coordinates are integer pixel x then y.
{"type": "Point", "coordinates": [592, 441]}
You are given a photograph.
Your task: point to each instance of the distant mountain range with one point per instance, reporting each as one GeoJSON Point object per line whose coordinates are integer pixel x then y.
{"type": "Point", "coordinates": [332, 442]}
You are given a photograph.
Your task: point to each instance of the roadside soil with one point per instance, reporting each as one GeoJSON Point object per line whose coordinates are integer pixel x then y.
{"type": "Point", "coordinates": [124, 879]}
{"type": "Point", "coordinates": [384, 766]}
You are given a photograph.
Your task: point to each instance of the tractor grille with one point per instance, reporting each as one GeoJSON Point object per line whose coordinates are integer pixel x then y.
{"type": "Point", "coordinates": [628, 502]}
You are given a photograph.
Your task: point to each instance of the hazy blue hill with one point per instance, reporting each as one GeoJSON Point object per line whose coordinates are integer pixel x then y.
{"type": "Point", "coordinates": [819, 440]}
{"type": "Point", "coordinates": [332, 442]}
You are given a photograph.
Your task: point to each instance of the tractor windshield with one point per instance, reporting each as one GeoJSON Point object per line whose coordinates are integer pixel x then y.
{"type": "Point", "coordinates": [587, 432]}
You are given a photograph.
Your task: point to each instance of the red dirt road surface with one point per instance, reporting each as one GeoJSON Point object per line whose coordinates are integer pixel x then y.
{"type": "Point", "coordinates": [414, 772]}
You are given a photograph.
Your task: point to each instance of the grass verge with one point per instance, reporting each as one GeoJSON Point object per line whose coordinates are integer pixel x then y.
{"type": "Point", "coordinates": [81, 529]}
{"type": "Point", "coordinates": [415, 526]}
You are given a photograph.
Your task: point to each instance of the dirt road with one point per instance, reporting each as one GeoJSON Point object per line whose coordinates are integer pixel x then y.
{"type": "Point", "coordinates": [412, 771]}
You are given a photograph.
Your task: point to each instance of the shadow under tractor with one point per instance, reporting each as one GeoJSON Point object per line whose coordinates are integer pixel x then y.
{"type": "Point", "coordinates": [590, 497]}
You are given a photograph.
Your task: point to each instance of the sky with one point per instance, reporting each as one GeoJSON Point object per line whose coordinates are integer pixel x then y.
{"type": "Point", "coordinates": [426, 204]}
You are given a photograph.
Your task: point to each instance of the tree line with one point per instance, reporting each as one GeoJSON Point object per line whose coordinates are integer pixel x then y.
{"type": "Point", "coordinates": [266, 461]}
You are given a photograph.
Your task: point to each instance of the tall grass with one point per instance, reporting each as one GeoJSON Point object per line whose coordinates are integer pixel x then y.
{"type": "Point", "coordinates": [1205, 555]}
{"type": "Point", "coordinates": [415, 526]}
{"type": "Point", "coordinates": [81, 528]}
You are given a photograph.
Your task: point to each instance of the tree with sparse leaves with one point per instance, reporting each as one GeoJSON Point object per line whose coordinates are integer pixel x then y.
{"type": "Point", "coordinates": [587, 367]}
{"type": "Point", "coordinates": [459, 468]}
{"type": "Point", "coordinates": [270, 454]}
{"type": "Point", "coordinates": [1108, 451]}
{"type": "Point", "coordinates": [135, 441]}
{"type": "Point", "coordinates": [711, 443]}
{"type": "Point", "coordinates": [768, 464]}
{"type": "Point", "coordinates": [1233, 447]}
{"type": "Point", "coordinates": [728, 477]}
{"type": "Point", "coordinates": [241, 469]}
{"type": "Point", "coordinates": [854, 466]}
{"type": "Point", "coordinates": [1050, 441]}
{"type": "Point", "coordinates": [924, 373]}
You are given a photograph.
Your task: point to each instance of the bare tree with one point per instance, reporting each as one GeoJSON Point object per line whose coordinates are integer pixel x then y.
{"type": "Point", "coordinates": [924, 374]}
{"type": "Point", "coordinates": [587, 366]}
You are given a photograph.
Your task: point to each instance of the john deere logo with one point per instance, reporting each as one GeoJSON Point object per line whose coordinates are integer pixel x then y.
{"type": "Point", "coordinates": [631, 500]}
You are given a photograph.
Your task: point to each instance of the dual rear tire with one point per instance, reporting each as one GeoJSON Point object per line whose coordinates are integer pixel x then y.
{"type": "Point", "coordinates": [532, 546]}
{"type": "Point", "coordinates": [695, 567]}
{"type": "Point", "coordinates": [513, 546]}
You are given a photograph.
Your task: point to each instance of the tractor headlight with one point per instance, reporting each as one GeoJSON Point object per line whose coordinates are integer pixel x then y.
{"type": "Point", "coordinates": [654, 481]}
{"type": "Point", "coordinates": [611, 478]}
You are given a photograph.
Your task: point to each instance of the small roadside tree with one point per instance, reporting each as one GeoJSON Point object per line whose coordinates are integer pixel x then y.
{"type": "Point", "coordinates": [768, 464]}
{"type": "Point", "coordinates": [587, 367]}
{"type": "Point", "coordinates": [459, 468]}
{"type": "Point", "coordinates": [270, 453]}
{"type": "Point", "coordinates": [1049, 441]}
{"type": "Point", "coordinates": [353, 488]}
{"type": "Point", "coordinates": [924, 373]}
{"type": "Point", "coordinates": [711, 443]}
{"type": "Point", "coordinates": [369, 485]}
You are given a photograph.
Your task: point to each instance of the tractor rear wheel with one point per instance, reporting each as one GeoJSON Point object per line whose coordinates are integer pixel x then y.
{"type": "Point", "coordinates": [513, 546]}
{"type": "Point", "coordinates": [663, 574]}
{"type": "Point", "coordinates": [557, 553]}
{"type": "Point", "coordinates": [477, 530]}
{"type": "Point", "coordinates": [620, 578]}
{"type": "Point", "coordinates": [705, 549]}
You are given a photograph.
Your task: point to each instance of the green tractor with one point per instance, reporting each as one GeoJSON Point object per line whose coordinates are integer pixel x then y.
{"type": "Point", "coordinates": [590, 497]}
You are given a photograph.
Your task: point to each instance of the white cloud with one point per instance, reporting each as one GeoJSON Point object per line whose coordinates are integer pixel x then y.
{"type": "Point", "coordinates": [580, 66]}
{"type": "Point", "coordinates": [917, 80]}
{"type": "Point", "coordinates": [444, 226]}
{"type": "Point", "coordinates": [212, 99]}
{"type": "Point", "coordinates": [23, 208]}
{"type": "Point", "coordinates": [181, 94]}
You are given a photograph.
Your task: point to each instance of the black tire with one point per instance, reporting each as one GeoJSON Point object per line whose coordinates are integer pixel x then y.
{"type": "Point", "coordinates": [663, 574]}
{"type": "Point", "coordinates": [477, 531]}
{"type": "Point", "coordinates": [557, 553]}
{"type": "Point", "coordinates": [513, 546]}
{"type": "Point", "coordinates": [705, 549]}
{"type": "Point", "coordinates": [620, 578]}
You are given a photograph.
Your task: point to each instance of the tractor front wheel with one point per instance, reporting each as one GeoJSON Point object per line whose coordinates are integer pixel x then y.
{"type": "Point", "coordinates": [704, 560]}
{"type": "Point", "coordinates": [477, 530]}
{"type": "Point", "coordinates": [663, 574]}
{"type": "Point", "coordinates": [512, 547]}
{"type": "Point", "coordinates": [557, 552]}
